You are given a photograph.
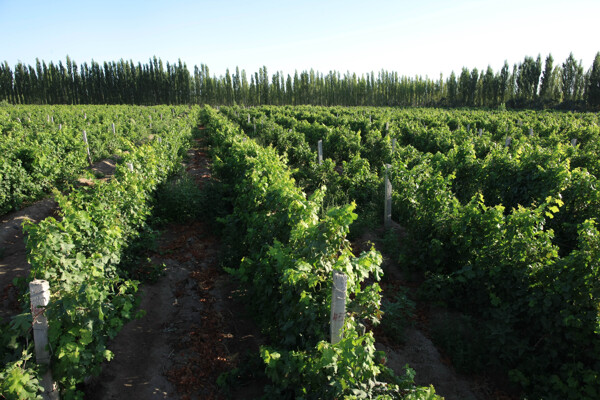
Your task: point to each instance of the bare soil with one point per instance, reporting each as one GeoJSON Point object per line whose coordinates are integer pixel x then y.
{"type": "Point", "coordinates": [13, 255]}
{"type": "Point", "coordinates": [195, 326]}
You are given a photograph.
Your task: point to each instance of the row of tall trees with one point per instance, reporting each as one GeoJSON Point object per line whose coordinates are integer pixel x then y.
{"type": "Point", "coordinates": [529, 83]}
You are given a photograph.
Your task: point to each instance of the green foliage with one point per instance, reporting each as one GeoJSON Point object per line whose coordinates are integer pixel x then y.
{"type": "Point", "coordinates": [289, 247]}
{"type": "Point", "coordinates": [178, 200]}
{"type": "Point", "coordinates": [80, 255]}
{"type": "Point", "coordinates": [397, 316]}
{"type": "Point", "coordinates": [18, 382]}
{"type": "Point", "coordinates": [504, 234]}
{"type": "Point", "coordinates": [350, 369]}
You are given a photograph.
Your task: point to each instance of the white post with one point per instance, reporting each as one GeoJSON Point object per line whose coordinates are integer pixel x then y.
{"type": "Point", "coordinates": [19, 119]}
{"type": "Point", "coordinates": [338, 306]}
{"type": "Point", "coordinates": [60, 127]}
{"type": "Point", "coordinates": [530, 131]}
{"type": "Point", "coordinates": [130, 166]}
{"type": "Point", "coordinates": [87, 147]}
{"type": "Point", "coordinates": [320, 151]}
{"type": "Point", "coordinates": [468, 128]}
{"type": "Point", "coordinates": [393, 145]}
{"type": "Point", "coordinates": [573, 142]}
{"type": "Point", "coordinates": [47, 118]}
{"type": "Point", "coordinates": [248, 119]}
{"type": "Point", "coordinates": [387, 127]}
{"type": "Point", "coordinates": [52, 119]}
{"type": "Point", "coordinates": [480, 132]}
{"type": "Point", "coordinates": [159, 139]}
{"type": "Point", "coordinates": [113, 126]}
{"type": "Point", "coordinates": [39, 293]}
{"type": "Point", "coordinates": [508, 140]}
{"type": "Point", "coordinates": [85, 115]}
{"type": "Point", "coordinates": [161, 117]}
{"type": "Point", "coordinates": [387, 212]}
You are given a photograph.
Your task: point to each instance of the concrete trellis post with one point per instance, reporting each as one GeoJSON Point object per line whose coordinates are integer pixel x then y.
{"type": "Point", "coordinates": [39, 293]}
{"type": "Point", "coordinates": [320, 151]}
{"type": "Point", "coordinates": [60, 127]}
{"type": "Point", "coordinates": [468, 128]}
{"type": "Point", "coordinates": [387, 212]}
{"type": "Point", "coordinates": [113, 128]}
{"type": "Point", "coordinates": [530, 131]}
{"type": "Point", "coordinates": [508, 140]}
{"type": "Point", "coordinates": [87, 147]}
{"type": "Point", "coordinates": [393, 145]}
{"type": "Point", "coordinates": [338, 306]}
{"type": "Point", "coordinates": [248, 119]}
{"type": "Point", "coordinates": [480, 132]}
{"type": "Point", "coordinates": [573, 142]}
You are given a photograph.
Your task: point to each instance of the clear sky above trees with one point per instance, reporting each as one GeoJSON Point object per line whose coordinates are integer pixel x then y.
{"type": "Point", "coordinates": [411, 38]}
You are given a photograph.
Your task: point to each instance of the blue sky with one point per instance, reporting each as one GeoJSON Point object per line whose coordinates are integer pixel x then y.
{"type": "Point", "coordinates": [424, 37]}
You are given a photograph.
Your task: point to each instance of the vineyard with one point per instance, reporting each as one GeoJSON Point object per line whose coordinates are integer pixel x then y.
{"type": "Point", "coordinates": [493, 220]}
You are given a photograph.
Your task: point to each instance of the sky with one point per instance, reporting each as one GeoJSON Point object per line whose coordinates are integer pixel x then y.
{"type": "Point", "coordinates": [418, 37]}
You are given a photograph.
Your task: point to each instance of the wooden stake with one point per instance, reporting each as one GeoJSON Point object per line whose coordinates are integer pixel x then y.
{"type": "Point", "coordinates": [338, 306]}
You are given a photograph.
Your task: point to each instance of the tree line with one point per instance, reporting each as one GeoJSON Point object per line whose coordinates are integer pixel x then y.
{"type": "Point", "coordinates": [528, 84]}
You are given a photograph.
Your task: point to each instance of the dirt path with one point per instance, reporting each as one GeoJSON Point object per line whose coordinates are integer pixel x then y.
{"type": "Point", "coordinates": [13, 255]}
{"type": "Point", "coordinates": [13, 262]}
{"type": "Point", "coordinates": [417, 350]}
{"type": "Point", "coordinates": [195, 327]}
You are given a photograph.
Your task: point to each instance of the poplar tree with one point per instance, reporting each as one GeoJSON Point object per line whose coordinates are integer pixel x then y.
{"type": "Point", "coordinates": [546, 85]}
{"type": "Point", "coordinates": [569, 72]}
{"type": "Point", "coordinates": [593, 89]}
